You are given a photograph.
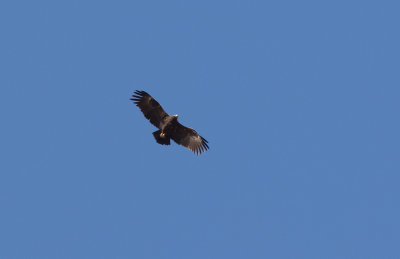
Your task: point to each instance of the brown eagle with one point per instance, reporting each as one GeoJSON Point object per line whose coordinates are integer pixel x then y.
{"type": "Point", "coordinates": [169, 127]}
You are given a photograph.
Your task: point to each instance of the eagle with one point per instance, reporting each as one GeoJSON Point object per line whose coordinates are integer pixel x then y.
{"type": "Point", "coordinates": [169, 127]}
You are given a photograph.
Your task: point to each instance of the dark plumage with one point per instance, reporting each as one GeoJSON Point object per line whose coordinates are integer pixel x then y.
{"type": "Point", "coordinates": [169, 127]}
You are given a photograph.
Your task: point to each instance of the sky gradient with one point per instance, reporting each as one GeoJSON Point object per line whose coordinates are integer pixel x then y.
{"type": "Point", "coordinates": [299, 101]}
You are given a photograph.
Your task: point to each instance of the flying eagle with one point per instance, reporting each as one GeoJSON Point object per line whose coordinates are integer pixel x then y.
{"type": "Point", "coordinates": [169, 127]}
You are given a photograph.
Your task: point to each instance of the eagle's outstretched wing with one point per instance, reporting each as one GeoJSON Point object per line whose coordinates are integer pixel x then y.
{"type": "Point", "coordinates": [189, 138]}
{"type": "Point", "coordinates": [151, 109]}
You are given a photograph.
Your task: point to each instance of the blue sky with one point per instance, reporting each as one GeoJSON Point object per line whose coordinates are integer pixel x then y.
{"type": "Point", "coordinates": [299, 101]}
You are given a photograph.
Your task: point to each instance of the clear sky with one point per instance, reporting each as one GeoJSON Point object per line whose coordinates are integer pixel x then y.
{"type": "Point", "coordinates": [299, 101]}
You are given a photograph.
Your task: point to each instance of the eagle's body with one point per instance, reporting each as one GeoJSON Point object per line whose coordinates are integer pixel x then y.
{"type": "Point", "coordinates": [169, 127]}
{"type": "Point", "coordinates": [167, 122]}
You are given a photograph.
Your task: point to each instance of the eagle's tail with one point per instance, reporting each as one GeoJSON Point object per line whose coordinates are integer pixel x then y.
{"type": "Point", "coordinates": [161, 139]}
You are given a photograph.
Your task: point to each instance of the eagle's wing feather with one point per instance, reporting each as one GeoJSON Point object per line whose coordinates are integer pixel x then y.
{"type": "Point", "coordinates": [189, 138]}
{"type": "Point", "coordinates": [151, 109]}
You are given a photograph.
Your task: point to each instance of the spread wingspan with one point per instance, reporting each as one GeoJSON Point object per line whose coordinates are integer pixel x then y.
{"type": "Point", "coordinates": [169, 127]}
{"type": "Point", "coordinates": [151, 109]}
